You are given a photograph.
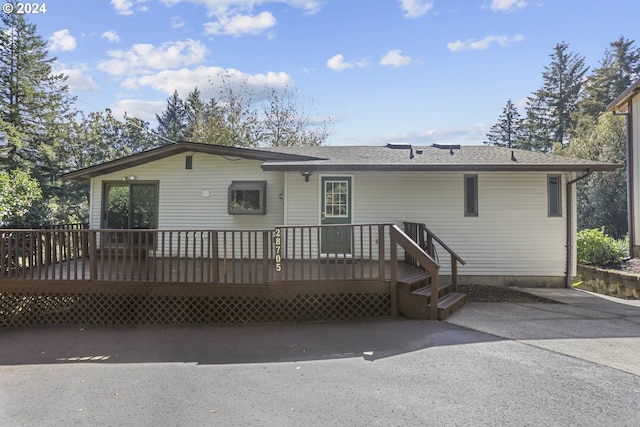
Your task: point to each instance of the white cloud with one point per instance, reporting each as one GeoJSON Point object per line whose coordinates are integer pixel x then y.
{"type": "Point", "coordinates": [236, 17]}
{"type": "Point", "coordinates": [177, 22]}
{"type": "Point", "coordinates": [143, 110]}
{"type": "Point", "coordinates": [209, 80]}
{"type": "Point", "coordinates": [462, 134]}
{"type": "Point", "coordinates": [62, 40]}
{"type": "Point", "coordinates": [125, 7]}
{"type": "Point", "coordinates": [337, 63]}
{"type": "Point", "coordinates": [394, 58]}
{"type": "Point", "coordinates": [507, 5]}
{"type": "Point", "coordinates": [241, 24]}
{"type": "Point", "coordinates": [502, 41]}
{"type": "Point", "coordinates": [111, 36]}
{"type": "Point", "coordinates": [415, 8]}
{"type": "Point", "coordinates": [233, 7]}
{"type": "Point", "coordinates": [77, 78]}
{"type": "Point", "coordinates": [143, 57]}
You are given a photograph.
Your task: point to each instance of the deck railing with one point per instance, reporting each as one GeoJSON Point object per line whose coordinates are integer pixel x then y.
{"type": "Point", "coordinates": [421, 259]}
{"type": "Point", "coordinates": [425, 238]}
{"type": "Point", "coordinates": [330, 252]}
{"type": "Point", "coordinates": [284, 254]}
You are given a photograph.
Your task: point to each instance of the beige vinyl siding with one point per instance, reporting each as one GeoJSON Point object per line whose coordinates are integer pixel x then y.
{"type": "Point", "coordinates": [181, 203]}
{"type": "Point", "coordinates": [513, 234]}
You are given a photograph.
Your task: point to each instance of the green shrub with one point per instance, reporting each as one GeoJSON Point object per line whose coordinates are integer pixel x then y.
{"type": "Point", "coordinates": [597, 248]}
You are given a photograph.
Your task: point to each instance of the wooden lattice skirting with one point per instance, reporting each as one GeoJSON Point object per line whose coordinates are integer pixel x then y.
{"type": "Point", "coordinates": [116, 303]}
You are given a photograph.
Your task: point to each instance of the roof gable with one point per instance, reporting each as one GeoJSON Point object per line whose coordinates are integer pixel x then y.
{"type": "Point", "coordinates": [178, 148]}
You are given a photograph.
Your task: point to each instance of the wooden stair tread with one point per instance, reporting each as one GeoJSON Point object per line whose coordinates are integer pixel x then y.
{"type": "Point", "coordinates": [450, 299]}
{"type": "Point", "coordinates": [426, 290]}
{"type": "Point", "coordinates": [414, 278]}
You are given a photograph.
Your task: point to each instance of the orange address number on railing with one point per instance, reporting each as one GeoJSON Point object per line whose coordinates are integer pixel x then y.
{"type": "Point", "coordinates": [278, 244]}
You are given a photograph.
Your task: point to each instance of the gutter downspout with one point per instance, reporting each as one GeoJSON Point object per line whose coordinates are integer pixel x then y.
{"type": "Point", "coordinates": [631, 226]}
{"type": "Point", "coordinates": [569, 265]}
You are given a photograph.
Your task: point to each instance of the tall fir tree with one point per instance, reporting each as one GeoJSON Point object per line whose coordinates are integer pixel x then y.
{"type": "Point", "coordinates": [550, 109]}
{"type": "Point", "coordinates": [618, 69]}
{"type": "Point", "coordinates": [34, 105]}
{"type": "Point", "coordinates": [33, 100]}
{"type": "Point", "coordinates": [173, 123]}
{"type": "Point", "coordinates": [597, 135]}
{"type": "Point", "coordinates": [507, 132]}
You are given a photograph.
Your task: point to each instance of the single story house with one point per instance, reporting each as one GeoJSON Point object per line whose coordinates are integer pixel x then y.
{"type": "Point", "coordinates": [510, 214]}
{"type": "Point", "coordinates": [628, 104]}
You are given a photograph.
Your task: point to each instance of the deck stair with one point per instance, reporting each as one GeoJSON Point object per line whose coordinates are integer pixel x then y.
{"type": "Point", "coordinates": [414, 297]}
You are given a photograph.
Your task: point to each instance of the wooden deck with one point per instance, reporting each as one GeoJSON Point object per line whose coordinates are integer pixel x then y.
{"type": "Point", "coordinates": [289, 273]}
{"type": "Point", "coordinates": [207, 271]}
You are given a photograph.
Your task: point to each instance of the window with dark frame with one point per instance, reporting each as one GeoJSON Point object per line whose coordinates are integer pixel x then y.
{"type": "Point", "coordinates": [247, 198]}
{"type": "Point", "coordinates": [554, 192]}
{"type": "Point", "coordinates": [471, 195]}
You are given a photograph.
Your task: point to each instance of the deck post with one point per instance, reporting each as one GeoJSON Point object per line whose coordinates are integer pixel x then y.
{"type": "Point", "coordinates": [434, 296]}
{"type": "Point", "coordinates": [93, 261]}
{"type": "Point", "coordinates": [214, 256]}
{"type": "Point", "coordinates": [381, 254]}
{"type": "Point", "coordinates": [454, 273]}
{"type": "Point", "coordinates": [265, 256]}
{"type": "Point", "coordinates": [394, 278]}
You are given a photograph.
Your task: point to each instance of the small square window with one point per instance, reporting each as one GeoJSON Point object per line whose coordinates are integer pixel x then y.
{"type": "Point", "coordinates": [471, 195]}
{"type": "Point", "coordinates": [247, 198]}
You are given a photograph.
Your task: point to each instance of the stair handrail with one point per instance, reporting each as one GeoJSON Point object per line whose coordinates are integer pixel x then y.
{"type": "Point", "coordinates": [443, 244]}
{"type": "Point", "coordinates": [399, 237]}
{"type": "Point", "coordinates": [420, 232]}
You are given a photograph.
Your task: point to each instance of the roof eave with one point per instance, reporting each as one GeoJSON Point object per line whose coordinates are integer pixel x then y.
{"type": "Point", "coordinates": [442, 168]}
{"type": "Point", "coordinates": [621, 101]}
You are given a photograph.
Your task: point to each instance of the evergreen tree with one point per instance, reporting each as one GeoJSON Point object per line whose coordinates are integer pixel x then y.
{"type": "Point", "coordinates": [550, 109]}
{"type": "Point", "coordinates": [33, 100]}
{"type": "Point", "coordinates": [34, 106]}
{"type": "Point", "coordinates": [173, 123]}
{"type": "Point", "coordinates": [618, 69]}
{"type": "Point", "coordinates": [508, 131]}
{"type": "Point", "coordinates": [602, 198]}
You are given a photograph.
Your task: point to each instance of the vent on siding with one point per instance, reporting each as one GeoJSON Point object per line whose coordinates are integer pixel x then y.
{"type": "Point", "coordinates": [188, 162]}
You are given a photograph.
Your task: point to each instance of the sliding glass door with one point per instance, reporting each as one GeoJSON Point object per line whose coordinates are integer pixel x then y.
{"type": "Point", "coordinates": [130, 206]}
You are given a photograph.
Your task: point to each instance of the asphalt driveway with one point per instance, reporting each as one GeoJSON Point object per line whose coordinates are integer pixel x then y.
{"type": "Point", "coordinates": [576, 363]}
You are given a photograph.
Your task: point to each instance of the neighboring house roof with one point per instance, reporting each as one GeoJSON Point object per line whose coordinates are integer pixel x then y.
{"type": "Point", "coordinates": [391, 157]}
{"type": "Point", "coordinates": [620, 103]}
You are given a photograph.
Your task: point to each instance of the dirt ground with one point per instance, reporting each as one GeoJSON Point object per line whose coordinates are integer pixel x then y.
{"type": "Point", "coordinates": [480, 293]}
{"type": "Point", "coordinates": [629, 266]}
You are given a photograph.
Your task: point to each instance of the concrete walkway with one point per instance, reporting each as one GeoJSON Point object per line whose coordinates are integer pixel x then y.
{"type": "Point", "coordinates": [576, 363]}
{"type": "Point", "coordinates": [585, 325]}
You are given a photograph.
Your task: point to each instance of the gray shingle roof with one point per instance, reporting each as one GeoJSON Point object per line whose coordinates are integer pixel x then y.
{"type": "Point", "coordinates": [427, 158]}
{"type": "Point", "coordinates": [472, 158]}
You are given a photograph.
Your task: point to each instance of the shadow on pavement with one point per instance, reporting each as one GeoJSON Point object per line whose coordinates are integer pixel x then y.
{"type": "Point", "coordinates": [227, 344]}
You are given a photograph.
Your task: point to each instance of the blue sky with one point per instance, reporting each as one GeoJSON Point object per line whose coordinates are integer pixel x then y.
{"type": "Point", "coordinates": [413, 71]}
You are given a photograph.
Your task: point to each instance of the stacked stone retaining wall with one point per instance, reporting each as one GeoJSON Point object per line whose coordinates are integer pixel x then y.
{"type": "Point", "coordinates": [609, 282]}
